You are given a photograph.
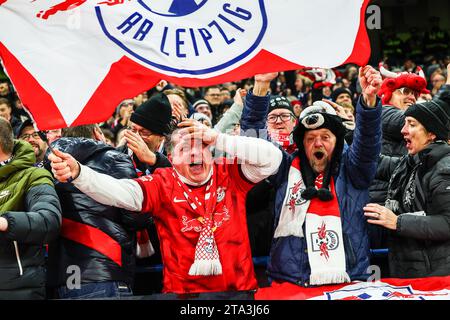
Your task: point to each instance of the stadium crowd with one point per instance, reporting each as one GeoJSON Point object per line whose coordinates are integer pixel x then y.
{"type": "Point", "coordinates": [312, 168]}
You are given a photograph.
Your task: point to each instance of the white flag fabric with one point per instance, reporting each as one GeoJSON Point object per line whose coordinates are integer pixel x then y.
{"type": "Point", "coordinates": [73, 61]}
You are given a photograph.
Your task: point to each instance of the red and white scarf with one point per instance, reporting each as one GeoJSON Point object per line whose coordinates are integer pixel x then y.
{"type": "Point", "coordinates": [207, 259]}
{"type": "Point", "coordinates": [284, 140]}
{"type": "Point", "coordinates": [323, 228]}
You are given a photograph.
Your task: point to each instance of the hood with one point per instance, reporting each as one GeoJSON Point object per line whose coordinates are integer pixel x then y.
{"type": "Point", "coordinates": [23, 158]}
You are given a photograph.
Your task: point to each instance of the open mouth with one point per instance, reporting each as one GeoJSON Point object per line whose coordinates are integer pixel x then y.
{"type": "Point", "coordinates": [408, 142]}
{"type": "Point", "coordinates": [319, 155]}
{"type": "Point", "coordinates": [196, 166]}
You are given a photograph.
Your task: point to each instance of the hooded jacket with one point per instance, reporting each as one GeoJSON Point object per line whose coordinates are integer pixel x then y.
{"type": "Point", "coordinates": [29, 202]}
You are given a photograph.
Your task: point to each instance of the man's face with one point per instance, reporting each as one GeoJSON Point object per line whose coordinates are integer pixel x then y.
{"type": "Point", "coordinates": [213, 96]}
{"type": "Point", "coordinates": [126, 109]}
{"type": "Point", "coordinates": [205, 109]}
{"type": "Point", "coordinates": [343, 98]}
{"type": "Point", "coordinates": [53, 135]}
{"type": "Point", "coordinates": [5, 111]}
{"type": "Point", "coordinates": [4, 89]}
{"type": "Point", "coordinates": [319, 146]}
{"type": "Point", "coordinates": [438, 81]}
{"type": "Point", "coordinates": [404, 97]}
{"type": "Point", "coordinates": [225, 95]}
{"type": "Point", "coordinates": [192, 159]}
{"type": "Point", "coordinates": [152, 140]}
{"type": "Point", "coordinates": [31, 136]}
{"type": "Point", "coordinates": [280, 120]}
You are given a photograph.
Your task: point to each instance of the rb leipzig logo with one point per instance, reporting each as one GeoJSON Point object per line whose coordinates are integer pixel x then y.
{"type": "Point", "coordinates": [181, 37]}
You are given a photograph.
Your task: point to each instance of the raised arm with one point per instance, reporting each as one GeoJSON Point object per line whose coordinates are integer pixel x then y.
{"type": "Point", "coordinates": [122, 193]}
{"type": "Point", "coordinates": [362, 156]}
{"type": "Point", "coordinates": [256, 107]}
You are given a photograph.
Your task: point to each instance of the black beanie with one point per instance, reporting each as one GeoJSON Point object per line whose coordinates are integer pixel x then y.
{"type": "Point", "coordinates": [319, 116]}
{"type": "Point", "coordinates": [155, 114]}
{"type": "Point", "coordinates": [336, 93]}
{"type": "Point", "coordinates": [434, 115]}
{"type": "Point", "coordinates": [279, 102]}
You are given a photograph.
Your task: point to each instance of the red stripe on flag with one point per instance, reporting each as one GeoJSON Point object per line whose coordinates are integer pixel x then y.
{"type": "Point", "coordinates": [33, 96]}
{"type": "Point", "coordinates": [92, 238]}
{"type": "Point", "coordinates": [125, 79]}
{"type": "Point", "coordinates": [361, 48]}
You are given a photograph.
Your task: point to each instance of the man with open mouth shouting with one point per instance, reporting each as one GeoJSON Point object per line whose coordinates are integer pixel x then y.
{"type": "Point", "coordinates": [198, 205]}
{"type": "Point", "coordinates": [320, 230]}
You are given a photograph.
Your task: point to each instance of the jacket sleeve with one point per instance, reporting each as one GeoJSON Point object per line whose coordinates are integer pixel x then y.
{"type": "Point", "coordinates": [361, 158]}
{"type": "Point", "coordinates": [386, 166]}
{"type": "Point", "coordinates": [229, 118]}
{"type": "Point", "coordinates": [41, 220]}
{"type": "Point", "coordinates": [253, 121]}
{"type": "Point", "coordinates": [393, 120]}
{"type": "Point", "coordinates": [435, 224]}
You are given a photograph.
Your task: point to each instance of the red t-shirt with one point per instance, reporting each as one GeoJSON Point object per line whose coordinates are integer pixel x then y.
{"type": "Point", "coordinates": [176, 224]}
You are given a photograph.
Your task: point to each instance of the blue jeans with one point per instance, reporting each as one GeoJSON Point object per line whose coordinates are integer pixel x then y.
{"type": "Point", "coordinates": [96, 290]}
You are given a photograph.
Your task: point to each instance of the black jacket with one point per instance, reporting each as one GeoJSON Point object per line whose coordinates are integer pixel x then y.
{"type": "Point", "coordinates": [393, 146]}
{"type": "Point", "coordinates": [97, 238]}
{"type": "Point", "coordinates": [420, 247]}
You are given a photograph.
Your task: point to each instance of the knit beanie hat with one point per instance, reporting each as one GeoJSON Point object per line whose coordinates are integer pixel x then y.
{"type": "Point", "coordinates": [336, 93]}
{"type": "Point", "coordinates": [434, 115]}
{"type": "Point", "coordinates": [318, 116]}
{"type": "Point", "coordinates": [155, 114]}
{"type": "Point", "coordinates": [200, 102]}
{"type": "Point", "coordinates": [280, 102]}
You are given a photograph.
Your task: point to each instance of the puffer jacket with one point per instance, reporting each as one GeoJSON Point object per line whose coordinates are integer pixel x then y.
{"type": "Point", "coordinates": [393, 147]}
{"type": "Point", "coordinates": [288, 257]}
{"type": "Point", "coordinates": [97, 238]}
{"type": "Point", "coordinates": [420, 247]}
{"type": "Point", "coordinates": [29, 202]}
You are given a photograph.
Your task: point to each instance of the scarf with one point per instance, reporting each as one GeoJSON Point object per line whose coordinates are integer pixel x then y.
{"type": "Point", "coordinates": [206, 259]}
{"type": "Point", "coordinates": [284, 140]}
{"type": "Point", "coordinates": [323, 228]}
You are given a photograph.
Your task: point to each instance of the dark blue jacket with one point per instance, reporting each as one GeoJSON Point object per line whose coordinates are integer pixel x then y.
{"type": "Point", "coordinates": [288, 258]}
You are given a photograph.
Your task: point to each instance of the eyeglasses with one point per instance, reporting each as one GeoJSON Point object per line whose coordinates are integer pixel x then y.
{"type": "Point", "coordinates": [27, 136]}
{"type": "Point", "coordinates": [143, 132]}
{"type": "Point", "coordinates": [274, 117]}
{"type": "Point", "coordinates": [214, 94]}
{"type": "Point", "coordinates": [407, 91]}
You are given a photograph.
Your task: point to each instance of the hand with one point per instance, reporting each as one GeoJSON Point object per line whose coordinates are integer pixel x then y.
{"type": "Point", "coordinates": [266, 77]}
{"type": "Point", "coordinates": [370, 81]}
{"type": "Point", "coordinates": [64, 167]}
{"type": "Point", "coordinates": [238, 97]}
{"type": "Point", "coordinates": [339, 109]}
{"type": "Point", "coordinates": [381, 216]}
{"type": "Point", "coordinates": [177, 111]}
{"type": "Point", "coordinates": [139, 147]}
{"type": "Point", "coordinates": [262, 83]}
{"type": "Point", "coordinates": [192, 129]}
{"type": "Point", "coordinates": [3, 224]}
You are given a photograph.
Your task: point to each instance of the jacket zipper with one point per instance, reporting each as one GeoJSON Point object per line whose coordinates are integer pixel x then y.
{"type": "Point", "coordinates": [16, 247]}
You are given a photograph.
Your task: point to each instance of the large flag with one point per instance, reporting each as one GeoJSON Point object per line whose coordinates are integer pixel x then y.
{"type": "Point", "coordinates": [433, 288]}
{"type": "Point", "coordinates": [73, 61]}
